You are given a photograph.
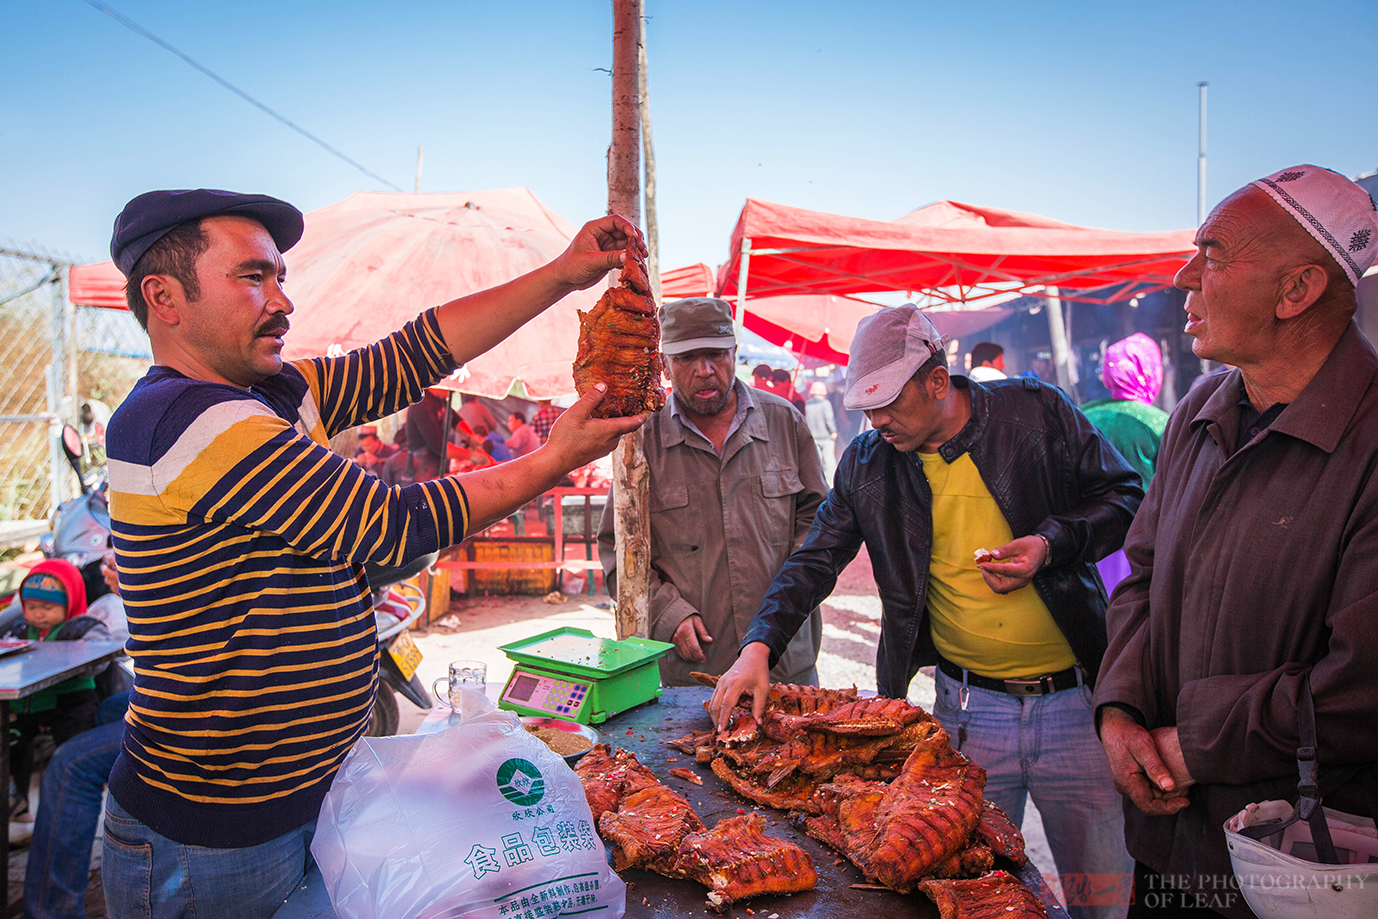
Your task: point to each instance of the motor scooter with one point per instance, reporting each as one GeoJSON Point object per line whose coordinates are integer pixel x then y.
{"type": "Point", "coordinates": [81, 534]}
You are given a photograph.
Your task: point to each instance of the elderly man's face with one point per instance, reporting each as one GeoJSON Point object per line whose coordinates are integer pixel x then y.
{"type": "Point", "coordinates": [233, 333]}
{"type": "Point", "coordinates": [1232, 280]}
{"type": "Point", "coordinates": [702, 379]}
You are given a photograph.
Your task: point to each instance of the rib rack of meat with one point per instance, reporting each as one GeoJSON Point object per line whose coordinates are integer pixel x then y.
{"type": "Point", "coordinates": [653, 827]}
{"type": "Point", "coordinates": [619, 344]}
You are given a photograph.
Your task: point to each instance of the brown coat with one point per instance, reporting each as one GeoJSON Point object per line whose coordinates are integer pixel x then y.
{"type": "Point", "coordinates": [722, 527]}
{"type": "Point", "coordinates": [1252, 568]}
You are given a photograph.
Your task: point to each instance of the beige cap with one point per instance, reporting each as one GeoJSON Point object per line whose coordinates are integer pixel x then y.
{"type": "Point", "coordinates": [696, 322]}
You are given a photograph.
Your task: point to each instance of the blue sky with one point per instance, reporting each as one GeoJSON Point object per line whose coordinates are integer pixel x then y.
{"type": "Point", "coordinates": [1085, 112]}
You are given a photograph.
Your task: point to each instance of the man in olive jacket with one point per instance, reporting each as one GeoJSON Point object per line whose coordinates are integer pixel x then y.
{"type": "Point", "coordinates": [984, 508]}
{"type": "Point", "coordinates": [734, 484]}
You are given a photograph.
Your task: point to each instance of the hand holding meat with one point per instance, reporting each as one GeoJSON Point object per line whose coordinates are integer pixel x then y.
{"type": "Point", "coordinates": [1014, 564]}
{"type": "Point", "coordinates": [750, 675]}
{"type": "Point", "coordinates": [579, 436]}
{"type": "Point", "coordinates": [598, 248]}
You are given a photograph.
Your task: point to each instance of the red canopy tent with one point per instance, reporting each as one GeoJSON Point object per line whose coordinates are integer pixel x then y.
{"type": "Point", "coordinates": [373, 261]}
{"type": "Point", "coordinates": [950, 251]}
{"type": "Point", "coordinates": [819, 326]}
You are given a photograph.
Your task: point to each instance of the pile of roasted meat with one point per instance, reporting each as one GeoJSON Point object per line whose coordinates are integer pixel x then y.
{"type": "Point", "coordinates": [877, 780]}
{"type": "Point", "coordinates": [619, 344]}
{"type": "Point", "coordinates": [652, 827]}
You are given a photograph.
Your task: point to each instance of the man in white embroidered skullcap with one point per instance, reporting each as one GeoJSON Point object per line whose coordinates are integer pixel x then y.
{"type": "Point", "coordinates": [1255, 555]}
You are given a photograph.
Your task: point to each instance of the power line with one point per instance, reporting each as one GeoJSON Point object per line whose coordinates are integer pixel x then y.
{"type": "Point", "coordinates": [135, 27]}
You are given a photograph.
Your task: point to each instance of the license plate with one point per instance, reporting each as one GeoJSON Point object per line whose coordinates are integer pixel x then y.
{"type": "Point", "coordinates": [405, 654]}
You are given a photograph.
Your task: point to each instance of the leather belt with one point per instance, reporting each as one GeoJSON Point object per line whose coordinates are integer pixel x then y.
{"type": "Point", "coordinates": [1038, 686]}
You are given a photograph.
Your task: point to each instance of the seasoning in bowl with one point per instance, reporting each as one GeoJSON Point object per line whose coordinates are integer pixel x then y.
{"type": "Point", "coordinates": [566, 738]}
{"type": "Point", "coordinates": [562, 742]}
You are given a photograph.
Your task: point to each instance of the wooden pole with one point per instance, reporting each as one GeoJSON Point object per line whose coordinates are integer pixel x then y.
{"type": "Point", "coordinates": [631, 501]}
{"type": "Point", "coordinates": [649, 155]}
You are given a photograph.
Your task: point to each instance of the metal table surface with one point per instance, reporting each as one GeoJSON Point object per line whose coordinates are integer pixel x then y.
{"type": "Point", "coordinates": [652, 896]}
{"type": "Point", "coordinates": [24, 673]}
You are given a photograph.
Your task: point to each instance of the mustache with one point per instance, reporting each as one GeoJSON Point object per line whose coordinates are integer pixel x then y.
{"type": "Point", "coordinates": [275, 327]}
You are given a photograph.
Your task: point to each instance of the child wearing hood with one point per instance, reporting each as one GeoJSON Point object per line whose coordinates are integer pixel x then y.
{"type": "Point", "coordinates": [54, 601]}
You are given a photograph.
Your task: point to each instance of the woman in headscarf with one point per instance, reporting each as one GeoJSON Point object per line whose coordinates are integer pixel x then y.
{"type": "Point", "coordinates": [1133, 372]}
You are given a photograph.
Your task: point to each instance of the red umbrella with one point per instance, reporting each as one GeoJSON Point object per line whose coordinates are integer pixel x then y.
{"type": "Point", "coordinates": [373, 261]}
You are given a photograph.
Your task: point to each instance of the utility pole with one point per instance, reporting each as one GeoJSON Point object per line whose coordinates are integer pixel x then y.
{"type": "Point", "coordinates": [1201, 160]}
{"type": "Point", "coordinates": [631, 479]}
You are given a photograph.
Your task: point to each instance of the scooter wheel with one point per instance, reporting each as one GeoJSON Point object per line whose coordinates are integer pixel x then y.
{"type": "Point", "coordinates": [384, 719]}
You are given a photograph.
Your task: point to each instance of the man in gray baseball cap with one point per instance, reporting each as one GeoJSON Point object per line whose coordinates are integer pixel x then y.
{"type": "Point", "coordinates": [984, 508]}
{"type": "Point", "coordinates": [735, 481]}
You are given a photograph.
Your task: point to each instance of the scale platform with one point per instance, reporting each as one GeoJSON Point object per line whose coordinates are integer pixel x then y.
{"type": "Point", "coordinates": [568, 673]}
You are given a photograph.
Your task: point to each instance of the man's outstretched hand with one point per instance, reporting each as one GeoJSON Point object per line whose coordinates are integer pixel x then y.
{"type": "Point", "coordinates": [597, 249]}
{"type": "Point", "coordinates": [750, 674]}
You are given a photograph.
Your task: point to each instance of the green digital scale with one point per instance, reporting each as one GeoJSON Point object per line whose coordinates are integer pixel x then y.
{"type": "Point", "coordinates": [570, 674]}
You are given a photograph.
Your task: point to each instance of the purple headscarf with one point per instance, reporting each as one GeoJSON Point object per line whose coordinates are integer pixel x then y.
{"type": "Point", "coordinates": [1133, 369]}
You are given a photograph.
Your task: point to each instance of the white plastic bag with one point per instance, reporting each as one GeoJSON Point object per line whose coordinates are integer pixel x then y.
{"type": "Point", "coordinates": [481, 820]}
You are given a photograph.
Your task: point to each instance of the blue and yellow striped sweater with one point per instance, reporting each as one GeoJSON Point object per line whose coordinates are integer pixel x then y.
{"type": "Point", "coordinates": [241, 540]}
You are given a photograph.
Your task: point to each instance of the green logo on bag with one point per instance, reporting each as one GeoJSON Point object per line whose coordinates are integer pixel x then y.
{"type": "Point", "coordinates": [520, 782]}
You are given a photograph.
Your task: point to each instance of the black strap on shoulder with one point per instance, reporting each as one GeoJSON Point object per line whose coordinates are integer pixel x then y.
{"type": "Point", "coordinates": [1030, 383]}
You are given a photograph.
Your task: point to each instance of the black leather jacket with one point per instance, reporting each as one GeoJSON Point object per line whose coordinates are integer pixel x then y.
{"type": "Point", "coordinates": [1051, 473]}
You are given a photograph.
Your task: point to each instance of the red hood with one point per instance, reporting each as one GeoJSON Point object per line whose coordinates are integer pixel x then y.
{"type": "Point", "coordinates": [71, 580]}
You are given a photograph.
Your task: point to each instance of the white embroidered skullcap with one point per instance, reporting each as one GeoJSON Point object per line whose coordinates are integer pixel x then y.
{"type": "Point", "coordinates": [1334, 210]}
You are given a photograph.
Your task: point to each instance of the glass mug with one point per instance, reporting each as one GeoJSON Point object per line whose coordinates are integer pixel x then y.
{"type": "Point", "coordinates": [464, 675]}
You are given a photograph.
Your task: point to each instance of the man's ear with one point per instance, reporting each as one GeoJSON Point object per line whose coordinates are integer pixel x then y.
{"type": "Point", "coordinates": [1299, 290]}
{"type": "Point", "coordinates": [164, 296]}
{"type": "Point", "coordinates": [939, 382]}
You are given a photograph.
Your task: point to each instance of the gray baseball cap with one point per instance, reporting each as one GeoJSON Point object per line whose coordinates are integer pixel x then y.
{"type": "Point", "coordinates": [889, 346]}
{"type": "Point", "coordinates": [696, 322]}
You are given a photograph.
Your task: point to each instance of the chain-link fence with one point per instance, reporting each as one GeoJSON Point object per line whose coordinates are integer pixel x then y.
{"type": "Point", "coordinates": [58, 363]}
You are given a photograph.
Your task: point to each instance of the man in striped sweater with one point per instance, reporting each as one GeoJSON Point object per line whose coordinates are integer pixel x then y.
{"type": "Point", "coordinates": [241, 539]}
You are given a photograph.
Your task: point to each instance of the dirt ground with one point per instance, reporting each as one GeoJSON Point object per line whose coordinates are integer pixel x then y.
{"type": "Point", "coordinates": [476, 627]}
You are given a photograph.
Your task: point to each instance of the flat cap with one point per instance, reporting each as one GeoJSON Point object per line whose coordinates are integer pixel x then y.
{"type": "Point", "coordinates": [152, 215]}
{"type": "Point", "coordinates": [694, 323]}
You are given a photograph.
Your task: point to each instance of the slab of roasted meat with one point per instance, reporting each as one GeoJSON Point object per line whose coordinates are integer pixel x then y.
{"type": "Point", "coordinates": [609, 778]}
{"type": "Point", "coordinates": [736, 860]}
{"type": "Point", "coordinates": [653, 827]}
{"type": "Point", "coordinates": [619, 344]}
{"type": "Point", "coordinates": [649, 828]}
{"type": "Point", "coordinates": [997, 895]}
{"type": "Point", "coordinates": [996, 830]}
{"type": "Point", "coordinates": [900, 832]}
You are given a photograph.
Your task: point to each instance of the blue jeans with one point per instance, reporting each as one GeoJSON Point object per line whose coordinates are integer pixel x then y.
{"type": "Point", "coordinates": [1046, 746]}
{"type": "Point", "coordinates": [65, 826]}
{"type": "Point", "coordinates": [148, 876]}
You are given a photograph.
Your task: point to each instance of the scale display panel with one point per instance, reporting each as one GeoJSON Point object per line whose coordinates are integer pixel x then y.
{"type": "Point", "coordinates": [561, 698]}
